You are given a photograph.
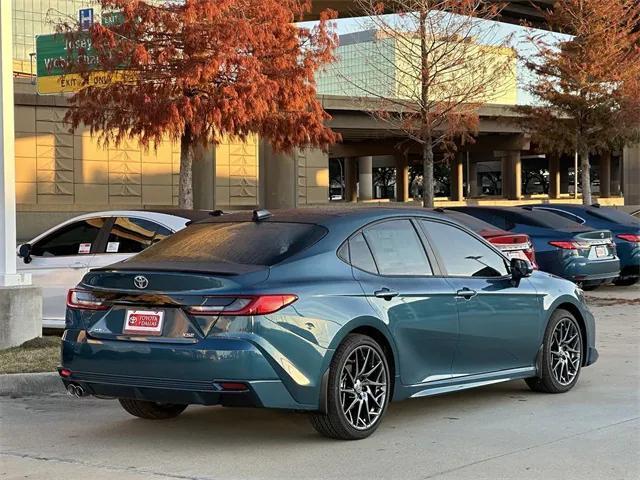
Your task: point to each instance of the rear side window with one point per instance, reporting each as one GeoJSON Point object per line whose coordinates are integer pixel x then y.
{"type": "Point", "coordinates": [360, 254]}
{"type": "Point", "coordinates": [132, 235]}
{"type": "Point", "coordinates": [77, 238]}
{"type": "Point", "coordinates": [462, 254]}
{"type": "Point", "coordinates": [397, 249]}
{"type": "Point", "coordinates": [245, 243]}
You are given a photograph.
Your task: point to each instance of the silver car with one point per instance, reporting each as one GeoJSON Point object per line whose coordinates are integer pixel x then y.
{"type": "Point", "coordinates": [58, 259]}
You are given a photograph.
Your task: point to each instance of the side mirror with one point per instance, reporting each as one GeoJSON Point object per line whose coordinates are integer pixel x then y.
{"type": "Point", "coordinates": [24, 252]}
{"type": "Point", "coordinates": [520, 269]}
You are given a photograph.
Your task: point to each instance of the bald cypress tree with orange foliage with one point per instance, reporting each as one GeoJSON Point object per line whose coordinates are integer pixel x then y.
{"type": "Point", "coordinates": [588, 86]}
{"type": "Point", "coordinates": [198, 70]}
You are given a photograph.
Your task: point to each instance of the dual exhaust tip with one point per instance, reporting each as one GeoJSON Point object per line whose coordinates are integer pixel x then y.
{"type": "Point", "coordinates": [76, 391]}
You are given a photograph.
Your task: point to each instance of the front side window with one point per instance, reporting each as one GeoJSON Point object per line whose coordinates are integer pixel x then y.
{"type": "Point", "coordinates": [77, 238]}
{"type": "Point", "coordinates": [397, 249]}
{"type": "Point", "coordinates": [464, 255]}
{"type": "Point", "coordinates": [133, 235]}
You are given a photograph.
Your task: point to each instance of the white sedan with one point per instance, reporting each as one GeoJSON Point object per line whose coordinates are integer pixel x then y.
{"type": "Point", "coordinates": [58, 259]}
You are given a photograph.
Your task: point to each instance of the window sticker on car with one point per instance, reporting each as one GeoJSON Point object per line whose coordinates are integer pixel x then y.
{"type": "Point", "coordinates": [113, 247]}
{"type": "Point", "coordinates": [84, 248]}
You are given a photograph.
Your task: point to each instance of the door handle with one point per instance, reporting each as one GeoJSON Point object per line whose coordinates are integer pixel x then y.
{"type": "Point", "coordinates": [466, 293]}
{"type": "Point", "coordinates": [385, 293]}
{"type": "Point", "coordinates": [78, 265]}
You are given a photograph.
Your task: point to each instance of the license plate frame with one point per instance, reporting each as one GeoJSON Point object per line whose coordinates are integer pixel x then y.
{"type": "Point", "coordinates": [601, 251]}
{"type": "Point", "coordinates": [143, 322]}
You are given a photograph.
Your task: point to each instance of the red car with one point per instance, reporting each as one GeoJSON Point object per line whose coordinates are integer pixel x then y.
{"type": "Point", "coordinates": [513, 245]}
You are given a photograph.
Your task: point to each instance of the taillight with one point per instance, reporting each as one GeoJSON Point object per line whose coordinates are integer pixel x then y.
{"type": "Point", "coordinates": [84, 300]}
{"type": "Point", "coordinates": [518, 242]}
{"type": "Point", "coordinates": [629, 237]}
{"type": "Point", "coordinates": [569, 245]}
{"type": "Point", "coordinates": [245, 306]}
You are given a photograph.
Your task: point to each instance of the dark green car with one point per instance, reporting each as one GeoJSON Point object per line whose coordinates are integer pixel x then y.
{"type": "Point", "coordinates": [333, 312]}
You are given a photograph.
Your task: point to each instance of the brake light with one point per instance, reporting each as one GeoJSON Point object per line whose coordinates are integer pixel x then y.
{"type": "Point", "coordinates": [84, 300]}
{"type": "Point", "coordinates": [629, 237]}
{"type": "Point", "coordinates": [568, 245]}
{"type": "Point", "coordinates": [247, 305]}
{"type": "Point", "coordinates": [510, 243]}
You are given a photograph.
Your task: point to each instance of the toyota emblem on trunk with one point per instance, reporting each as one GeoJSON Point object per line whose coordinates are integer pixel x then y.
{"type": "Point", "coordinates": [141, 282]}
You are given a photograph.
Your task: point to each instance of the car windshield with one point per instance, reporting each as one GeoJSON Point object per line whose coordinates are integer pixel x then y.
{"type": "Point", "coordinates": [245, 243]}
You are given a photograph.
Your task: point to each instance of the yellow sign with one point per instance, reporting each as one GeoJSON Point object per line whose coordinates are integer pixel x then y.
{"type": "Point", "coordinates": [71, 83]}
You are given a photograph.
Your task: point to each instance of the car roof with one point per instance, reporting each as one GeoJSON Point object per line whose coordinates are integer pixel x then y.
{"type": "Point", "coordinates": [326, 216]}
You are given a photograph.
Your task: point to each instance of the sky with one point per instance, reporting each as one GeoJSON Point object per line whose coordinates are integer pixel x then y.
{"type": "Point", "coordinates": [502, 30]}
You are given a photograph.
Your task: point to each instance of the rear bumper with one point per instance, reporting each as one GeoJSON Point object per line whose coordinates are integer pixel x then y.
{"type": "Point", "coordinates": [176, 373]}
{"type": "Point", "coordinates": [579, 269]}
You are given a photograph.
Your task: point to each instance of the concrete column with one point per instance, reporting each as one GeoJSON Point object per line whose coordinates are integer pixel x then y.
{"type": "Point", "coordinates": [365, 167]}
{"type": "Point", "coordinates": [20, 303]}
{"type": "Point", "coordinates": [554, 175]}
{"type": "Point", "coordinates": [631, 178]}
{"type": "Point", "coordinates": [473, 179]}
{"type": "Point", "coordinates": [605, 174]}
{"type": "Point", "coordinates": [506, 176]}
{"type": "Point", "coordinates": [402, 178]}
{"type": "Point", "coordinates": [350, 180]}
{"type": "Point", "coordinates": [8, 272]}
{"type": "Point", "coordinates": [515, 164]}
{"type": "Point", "coordinates": [457, 177]}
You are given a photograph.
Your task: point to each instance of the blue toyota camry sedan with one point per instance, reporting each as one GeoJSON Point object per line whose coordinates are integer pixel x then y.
{"type": "Point", "coordinates": [334, 312]}
{"type": "Point", "coordinates": [625, 228]}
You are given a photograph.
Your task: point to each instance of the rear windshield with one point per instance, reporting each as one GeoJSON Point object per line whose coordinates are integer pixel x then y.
{"type": "Point", "coordinates": [473, 223]}
{"type": "Point", "coordinates": [543, 218]}
{"type": "Point", "coordinates": [613, 215]}
{"type": "Point", "coordinates": [245, 243]}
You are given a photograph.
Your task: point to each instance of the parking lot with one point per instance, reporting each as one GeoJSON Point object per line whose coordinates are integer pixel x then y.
{"type": "Point", "coordinates": [502, 431]}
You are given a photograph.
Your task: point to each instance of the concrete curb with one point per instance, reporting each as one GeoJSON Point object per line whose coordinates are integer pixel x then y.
{"type": "Point", "coordinates": [24, 384]}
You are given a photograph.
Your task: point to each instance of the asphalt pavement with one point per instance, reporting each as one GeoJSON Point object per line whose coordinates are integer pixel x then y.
{"type": "Point", "coordinates": [503, 431]}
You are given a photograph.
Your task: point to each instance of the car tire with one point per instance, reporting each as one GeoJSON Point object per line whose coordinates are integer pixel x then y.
{"type": "Point", "coordinates": [626, 282]}
{"type": "Point", "coordinates": [562, 355]}
{"type": "Point", "coordinates": [151, 410]}
{"type": "Point", "coordinates": [359, 377]}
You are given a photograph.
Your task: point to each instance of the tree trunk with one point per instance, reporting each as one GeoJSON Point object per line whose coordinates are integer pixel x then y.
{"type": "Point", "coordinates": [187, 153]}
{"type": "Point", "coordinates": [427, 174]}
{"type": "Point", "coordinates": [585, 176]}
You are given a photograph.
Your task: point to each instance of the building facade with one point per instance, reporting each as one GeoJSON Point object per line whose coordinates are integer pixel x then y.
{"type": "Point", "coordinates": [61, 173]}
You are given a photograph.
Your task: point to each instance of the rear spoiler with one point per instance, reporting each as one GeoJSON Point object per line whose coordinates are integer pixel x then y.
{"type": "Point", "coordinates": [211, 268]}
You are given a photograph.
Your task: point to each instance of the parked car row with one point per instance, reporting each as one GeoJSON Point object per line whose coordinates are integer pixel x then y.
{"type": "Point", "coordinates": [589, 245]}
